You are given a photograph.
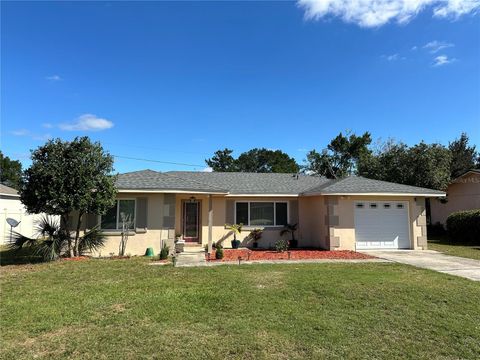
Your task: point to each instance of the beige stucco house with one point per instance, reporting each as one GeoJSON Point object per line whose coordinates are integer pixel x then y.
{"type": "Point", "coordinates": [348, 214]}
{"type": "Point", "coordinates": [463, 193]}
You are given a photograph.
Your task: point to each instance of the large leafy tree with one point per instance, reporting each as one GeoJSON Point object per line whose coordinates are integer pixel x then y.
{"type": "Point", "coordinates": [340, 157]}
{"type": "Point", "coordinates": [255, 160]}
{"type": "Point", "coordinates": [10, 171]}
{"type": "Point", "coordinates": [424, 165]}
{"type": "Point", "coordinates": [222, 160]}
{"type": "Point", "coordinates": [266, 161]}
{"type": "Point", "coordinates": [464, 157]}
{"type": "Point", "coordinates": [69, 178]}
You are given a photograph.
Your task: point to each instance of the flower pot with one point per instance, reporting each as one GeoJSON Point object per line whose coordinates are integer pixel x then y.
{"type": "Point", "coordinates": [255, 245]}
{"type": "Point", "coordinates": [235, 244]}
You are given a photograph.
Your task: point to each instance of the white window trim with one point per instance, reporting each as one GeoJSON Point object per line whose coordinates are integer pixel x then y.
{"type": "Point", "coordinates": [118, 215]}
{"type": "Point", "coordinates": [274, 212]}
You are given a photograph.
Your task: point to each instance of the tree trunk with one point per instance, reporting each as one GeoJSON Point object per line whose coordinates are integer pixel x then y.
{"type": "Point", "coordinates": [77, 234]}
{"type": "Point", "coordinates": [67, 231]}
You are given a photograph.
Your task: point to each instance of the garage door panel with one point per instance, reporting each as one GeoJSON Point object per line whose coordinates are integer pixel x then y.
{"type": "Point", "coordinates": [381, 225]}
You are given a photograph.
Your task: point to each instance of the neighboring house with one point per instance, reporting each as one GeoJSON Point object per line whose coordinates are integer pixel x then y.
{"type": "Point", "coordinates": [11, 207]}
{"type": "Point", "coordinates": [463, 193]}
{"type": "Point", "coordinates": [348, 214]}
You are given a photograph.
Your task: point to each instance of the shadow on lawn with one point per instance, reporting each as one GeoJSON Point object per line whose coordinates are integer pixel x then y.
{"type": "Point", "coordinates": [445, 240]}
{"type": "Point", "coordinates": [14, 257]}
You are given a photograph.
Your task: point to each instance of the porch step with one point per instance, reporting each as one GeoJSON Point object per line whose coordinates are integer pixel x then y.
{"type": "Point", "coordinates": [192, 256]}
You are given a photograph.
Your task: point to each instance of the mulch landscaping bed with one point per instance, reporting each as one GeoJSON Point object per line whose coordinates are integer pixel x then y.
{"type": "Point", "coordinates": [249, 255]}
{"type": "Point", "coordinates": [76, 258]}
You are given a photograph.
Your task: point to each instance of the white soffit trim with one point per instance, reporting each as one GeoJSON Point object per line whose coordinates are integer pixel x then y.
{"type": "Point", "coordinates": [262, 195]}
{"type": "Point", "coordinates": [11, 195]}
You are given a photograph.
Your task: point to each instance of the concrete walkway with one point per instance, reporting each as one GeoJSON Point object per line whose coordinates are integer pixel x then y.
{"type": "Point", "coordinates": [433, 260]}
{"type": "Point", "coordinates": [192, 256]}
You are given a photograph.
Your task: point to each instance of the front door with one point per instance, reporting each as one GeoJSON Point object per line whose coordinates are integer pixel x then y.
{"type": "Point", "coordinates": [191, 220]}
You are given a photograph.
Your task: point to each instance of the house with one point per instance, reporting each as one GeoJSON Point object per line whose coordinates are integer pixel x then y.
{"type": "Point", "coordinates": [463, 193]}
{"type": "Point", "coordinates": [11, 207]}
{"type": "Point", "coordinates": [348, 214]}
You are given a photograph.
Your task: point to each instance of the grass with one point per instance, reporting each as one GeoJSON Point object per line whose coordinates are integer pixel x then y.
{"type": "Point", "coordinates": [444, 245]}
{"type": "Point", "coordinates": [113, 309]}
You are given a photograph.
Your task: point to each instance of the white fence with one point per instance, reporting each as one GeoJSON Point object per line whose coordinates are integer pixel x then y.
{"type": "Point", "coordinates": [13, 208]}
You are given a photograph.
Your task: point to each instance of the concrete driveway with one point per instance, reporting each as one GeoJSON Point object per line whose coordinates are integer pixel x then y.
{"type": "Point", "coordinates": [433, 260]}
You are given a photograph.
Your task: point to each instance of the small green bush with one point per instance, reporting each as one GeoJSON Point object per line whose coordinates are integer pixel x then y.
{"type": "Point", "coordinates": [164, 252]}
{"type": "Point", "coordinates": [213, 246]}
{"type": "Point", "coordinates": [219, 253]}
{"type": "Point", "coordinates": [281, 245]}
{"type": "Point", "coordinates": [464, 226]}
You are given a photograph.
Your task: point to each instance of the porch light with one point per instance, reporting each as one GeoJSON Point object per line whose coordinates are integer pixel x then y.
{"type": "Point", "coordinates": [192, 199]}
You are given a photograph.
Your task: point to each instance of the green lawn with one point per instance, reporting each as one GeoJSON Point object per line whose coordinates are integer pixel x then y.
{"type": "Point", "coordinates": [125, 309]}
{"type": "Point", "coordinates": [444, 245]}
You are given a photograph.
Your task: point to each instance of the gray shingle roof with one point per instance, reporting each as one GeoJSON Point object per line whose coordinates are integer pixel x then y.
{"type": "Point", "coordinates": [361, 185]}
{"type": "Point", "coordinates": [254, 183]}
{"type": "Point", "coordinates": [6, 190]}
{"type": "Point", "coordinates": [260, 183]}
{"type": "Point", "coordinates": [154, 180]}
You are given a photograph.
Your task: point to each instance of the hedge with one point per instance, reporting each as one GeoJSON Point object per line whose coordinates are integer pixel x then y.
{"type": "Point", "coordinates": [464, 226]}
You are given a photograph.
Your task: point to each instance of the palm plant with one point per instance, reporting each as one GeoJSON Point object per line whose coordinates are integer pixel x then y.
{"type": "Point", "coordinates": [290, 229]}
{"type": "Point", "coordinates": [51, 239]}
{"type": "Point", "coordinates": [236, 229]}
{"type": "Point", "coordinates": [255, 236]}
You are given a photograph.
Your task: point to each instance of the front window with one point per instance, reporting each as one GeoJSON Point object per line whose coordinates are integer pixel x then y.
{"type": "Point", "coordinates": [122, 211]}
{"type": "Point", "coordinates": [262, 213]}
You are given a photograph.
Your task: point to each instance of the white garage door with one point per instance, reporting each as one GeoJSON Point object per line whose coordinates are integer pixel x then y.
{"type": "Point", "coordinates": [381, 225]}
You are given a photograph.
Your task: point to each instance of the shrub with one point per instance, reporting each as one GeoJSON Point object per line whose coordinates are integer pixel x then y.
{"type": "Point", "coordinates": [164, 251]}
{"type": "Point", "coordinates": [219, 253]}
{"type": "Point", "coordinates": [281, 245]}
{"type": "Point", "coordinates": [213, 246]}
{"type": "Point", "coordinates": [464, 226]}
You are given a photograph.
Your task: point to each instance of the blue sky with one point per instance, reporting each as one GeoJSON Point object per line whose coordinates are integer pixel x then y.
{"type": "Point", "coordinates": [176, 81]}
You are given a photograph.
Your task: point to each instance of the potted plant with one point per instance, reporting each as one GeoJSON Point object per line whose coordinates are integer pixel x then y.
{"type": "Point", "coordinates": [290, 228]}
{"type": "Point", "coordinates": [255, 236]}
{"type": "Point", "coordinates": [236, 229]}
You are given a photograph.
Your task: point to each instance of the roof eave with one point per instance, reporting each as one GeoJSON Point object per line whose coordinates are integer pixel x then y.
{"type": "Point", "coordinates": [374, 194]}
{"type": "Point", "coordinates": [172, 191]}
{"type": "Point", "coordinates": [262, 195]}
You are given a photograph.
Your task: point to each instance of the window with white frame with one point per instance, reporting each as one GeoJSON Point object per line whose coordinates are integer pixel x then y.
{"type": "Point", "coordinates": [261, 213]}
{"type": "Point", "coordinates": [123, 210]}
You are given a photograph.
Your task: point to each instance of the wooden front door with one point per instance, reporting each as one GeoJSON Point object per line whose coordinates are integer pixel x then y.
{"type": "Point", "coordinates": [191, 221]}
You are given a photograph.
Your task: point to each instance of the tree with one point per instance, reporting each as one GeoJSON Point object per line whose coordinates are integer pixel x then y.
{"type": "Point", "coordinates": [10, 171]}
{"type": "Point", "coordinates": [340, 157]}
{"type": "Point", "coordinates": [266, 161]}
{"type": "Point", "coordinates": [222, 160]}
{"type": "Point", "coordinates": [69, 179]}
{"type": "Point", "coordinates": [421, 165]}
{"type": "Point", "coordinates": [464, 157]}
{"type": "Point", "coordinates": [255, 160]}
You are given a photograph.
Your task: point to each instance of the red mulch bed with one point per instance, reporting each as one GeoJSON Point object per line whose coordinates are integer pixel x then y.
{"type": "Point", "coordinates": [295, 254]}
{"type": "Point", "coordinates": [76, 258]}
